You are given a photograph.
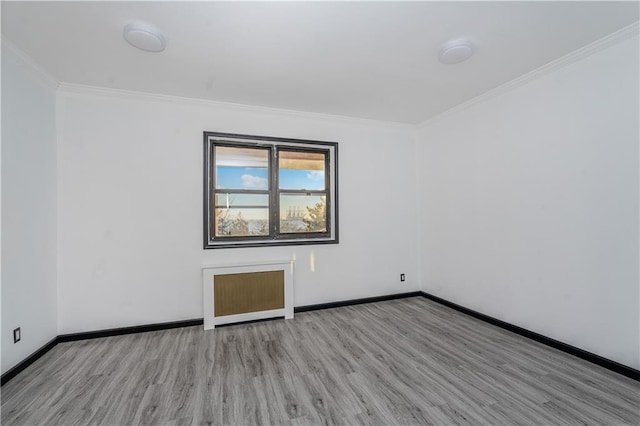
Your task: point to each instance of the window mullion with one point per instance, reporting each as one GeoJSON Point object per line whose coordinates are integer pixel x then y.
{"type": "Point", "coordinates": [274, 205]}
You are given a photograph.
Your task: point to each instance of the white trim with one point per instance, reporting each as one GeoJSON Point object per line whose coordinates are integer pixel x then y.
{"type": "Point", "coordinates": [568, 59]}
{"type": "Point", "coordinates": [81, 89]}
{"type": "Point", "coordinates": [40, 73]}
{"type": "Point", "coordinates": [208, 303]}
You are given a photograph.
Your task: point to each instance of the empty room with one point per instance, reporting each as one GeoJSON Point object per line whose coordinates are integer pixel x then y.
{"type": "Point", "coordinates": [305, 213]}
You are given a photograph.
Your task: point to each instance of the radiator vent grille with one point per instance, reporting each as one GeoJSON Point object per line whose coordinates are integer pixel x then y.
{"type": "Point", "coordinates": [248, 292]}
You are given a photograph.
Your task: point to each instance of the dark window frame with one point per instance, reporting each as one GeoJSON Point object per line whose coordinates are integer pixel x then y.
{"type": "Point", "coordinates": [274, 145]}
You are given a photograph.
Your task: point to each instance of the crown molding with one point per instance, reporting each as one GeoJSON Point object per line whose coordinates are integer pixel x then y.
{"type": "Point", "coordinates": [40, 73]}
{"type": "Point", "coordinates": [86, 90]}
{"type": "Point", "coordinates": [568, 59]}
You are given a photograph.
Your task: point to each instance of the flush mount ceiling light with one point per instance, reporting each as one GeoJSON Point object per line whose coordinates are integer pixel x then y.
{"type": "Point", "coordinates": [455, 51]}
{"type": "Point", "coordinates": [144, 36]}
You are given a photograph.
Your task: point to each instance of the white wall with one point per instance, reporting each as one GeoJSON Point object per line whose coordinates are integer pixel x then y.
{"type": "Point", "coordinates": [529, 206]}
{"type": "Point", "coordinates": [130, 203]}
{"type": "Point", "coordinates": [29, 299]}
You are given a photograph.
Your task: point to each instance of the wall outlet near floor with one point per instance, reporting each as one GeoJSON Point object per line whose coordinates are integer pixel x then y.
{"type": "Point", "coordinates": [402, 277]}
{"type": "Point", "coordinates": [16, 335]}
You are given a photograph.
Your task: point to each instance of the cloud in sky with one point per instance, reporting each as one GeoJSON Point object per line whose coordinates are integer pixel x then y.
{"type": "Point", "coordinates": [315, 175]}
{"type": "Point", "coordinates": [254, 182]}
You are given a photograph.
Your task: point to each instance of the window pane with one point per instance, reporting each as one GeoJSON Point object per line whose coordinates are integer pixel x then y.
{"type": "Point", "coordinates": [241, 168]}
{"type": "Point", "coordinates": [239, 222]}
{"type": "Point", "coordinates": [303, 213]}
{"type": "Point", "coordinates": [301, 170]}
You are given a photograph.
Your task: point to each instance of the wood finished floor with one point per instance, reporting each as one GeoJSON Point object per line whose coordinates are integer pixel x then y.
{"type": "Point", "coordinates": [408, 361]}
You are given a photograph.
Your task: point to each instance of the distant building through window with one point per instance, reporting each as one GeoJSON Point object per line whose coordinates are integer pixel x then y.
{"type": "Point", "coordinates": [269, 191]}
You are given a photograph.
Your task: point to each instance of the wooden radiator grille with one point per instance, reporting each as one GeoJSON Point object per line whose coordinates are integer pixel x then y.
{"type": "Point", "coordinates": [248, 292]}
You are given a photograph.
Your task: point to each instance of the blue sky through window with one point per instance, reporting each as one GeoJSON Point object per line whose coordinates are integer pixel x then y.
{"type": "Point", "coordinates": [229, 177]}
{"type": "Point", "coordinates": [301, 179]}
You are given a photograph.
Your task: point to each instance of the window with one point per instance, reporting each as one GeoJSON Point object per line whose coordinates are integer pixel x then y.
{"type": "Point", "coordinates": [261, 191]}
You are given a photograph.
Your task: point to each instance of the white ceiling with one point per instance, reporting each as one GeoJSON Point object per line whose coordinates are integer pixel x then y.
{"type": "Point", "coordinates": [371, 60]}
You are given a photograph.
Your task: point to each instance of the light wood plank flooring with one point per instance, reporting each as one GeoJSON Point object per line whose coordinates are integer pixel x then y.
{"type": "Point", "coordinates": [408, 361]}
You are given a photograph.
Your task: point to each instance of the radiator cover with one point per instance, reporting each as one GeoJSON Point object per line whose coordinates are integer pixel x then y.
{"type": "Point", "coordinates": [244, 292]}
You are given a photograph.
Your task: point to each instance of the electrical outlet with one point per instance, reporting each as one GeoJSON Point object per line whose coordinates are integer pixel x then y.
{"type": "Point", "coordinates": [401, 277]}
{"type": "Point", "coordinates": [16, 335]}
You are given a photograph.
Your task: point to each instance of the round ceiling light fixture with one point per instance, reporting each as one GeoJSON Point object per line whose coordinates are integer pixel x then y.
{"type": "Point", "coordinates": [144, 36]}
{"type": "Point", "coordinates": [455, 51]}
